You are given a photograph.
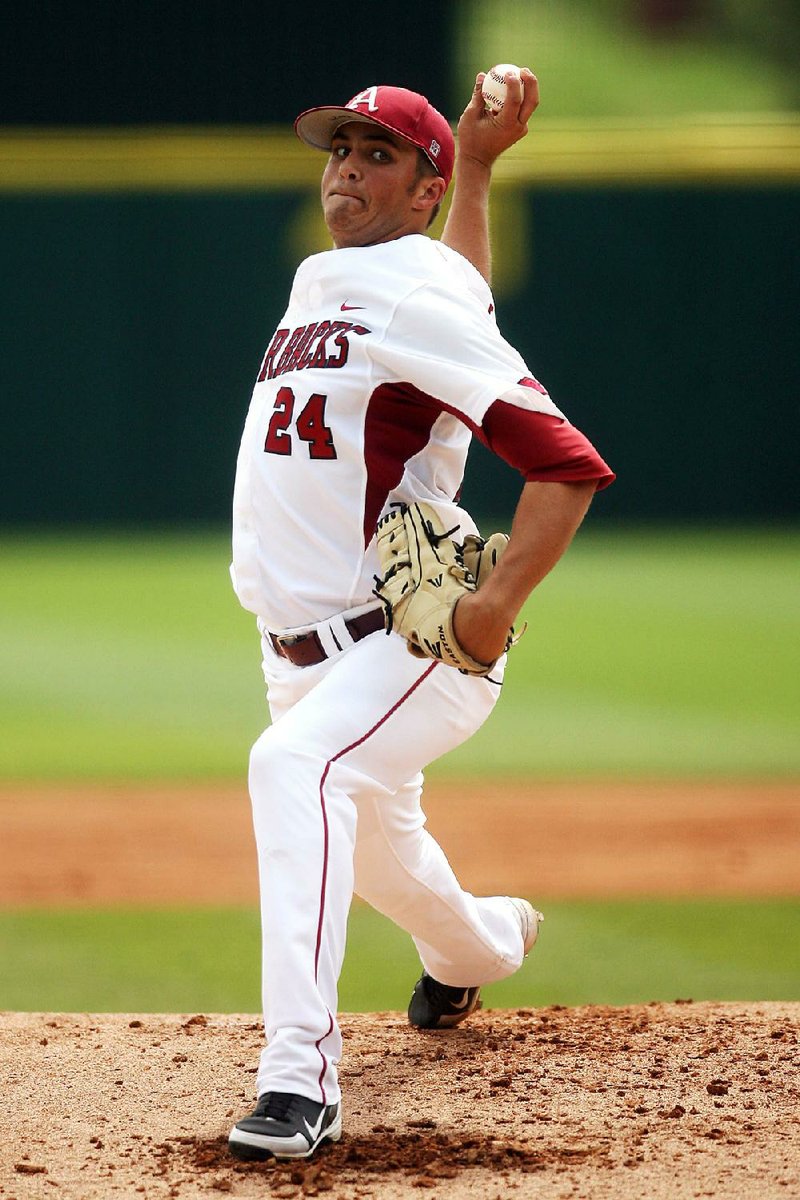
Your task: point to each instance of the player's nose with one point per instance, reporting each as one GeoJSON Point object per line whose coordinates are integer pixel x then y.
{"type": "Point", "coordinates": [348, 169]}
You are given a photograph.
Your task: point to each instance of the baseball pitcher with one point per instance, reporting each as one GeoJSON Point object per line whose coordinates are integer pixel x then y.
{"type": "Point", "coordinates": [384, 616]}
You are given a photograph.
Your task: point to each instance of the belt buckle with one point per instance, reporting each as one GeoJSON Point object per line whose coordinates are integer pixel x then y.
{"type": "Point", "coordinates": [291, 639]}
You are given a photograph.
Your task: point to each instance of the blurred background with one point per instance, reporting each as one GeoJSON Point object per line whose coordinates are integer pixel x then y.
{"type": "Point", "coordinates": [154, 204]}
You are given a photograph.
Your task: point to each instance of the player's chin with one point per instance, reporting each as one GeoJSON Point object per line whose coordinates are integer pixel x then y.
{"type": "Point", "coordinates": [344, 223]}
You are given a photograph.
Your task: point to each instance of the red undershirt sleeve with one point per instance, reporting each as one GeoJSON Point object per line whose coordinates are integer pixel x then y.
{"type": "Point", "coordinates": [542, 447]}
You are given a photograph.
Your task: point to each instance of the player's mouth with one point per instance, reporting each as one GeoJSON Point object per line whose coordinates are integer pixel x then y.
{"type": "Point", "coordinates": [345, 195]}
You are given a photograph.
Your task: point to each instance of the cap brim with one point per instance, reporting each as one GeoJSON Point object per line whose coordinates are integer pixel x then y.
{"type": "Point", "coordinates": [316, 126]}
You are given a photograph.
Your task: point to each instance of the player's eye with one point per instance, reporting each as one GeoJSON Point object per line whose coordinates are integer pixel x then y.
{"type": "Point", "coordinates": [381, 156]}
{"type": "Point", "coordinates": [341, 151]}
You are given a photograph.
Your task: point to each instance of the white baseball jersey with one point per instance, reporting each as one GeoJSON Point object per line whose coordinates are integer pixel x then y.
{"type": "Point", "coordinates": [386, 360]}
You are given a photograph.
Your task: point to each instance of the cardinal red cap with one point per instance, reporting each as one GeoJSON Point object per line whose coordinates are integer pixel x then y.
{"type": "Point", "coordinates": [402, 112]}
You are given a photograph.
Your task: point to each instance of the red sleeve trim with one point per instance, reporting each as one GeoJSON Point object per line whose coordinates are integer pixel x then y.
{"type": "Point", "coordinates": [542, 447]}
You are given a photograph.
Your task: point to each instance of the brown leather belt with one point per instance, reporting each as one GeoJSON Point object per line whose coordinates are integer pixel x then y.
{"type": "Point", "coordinates": [306, 649]}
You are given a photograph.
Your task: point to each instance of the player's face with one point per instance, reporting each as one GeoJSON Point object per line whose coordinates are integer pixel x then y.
{"type": "Point", "coordinates": [371, 192]}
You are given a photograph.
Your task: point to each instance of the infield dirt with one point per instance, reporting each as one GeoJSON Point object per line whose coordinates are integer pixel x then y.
{"type": "Point", "coordinates": [668, 1102]}
{"type": "Point", "coordinates": [662, 1101]}
{"type": "Point", "coordinates": [193, 843]}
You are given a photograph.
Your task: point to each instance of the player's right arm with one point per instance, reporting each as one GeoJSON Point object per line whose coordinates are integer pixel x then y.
{"type": "Point", "coordinates": [482, 138]}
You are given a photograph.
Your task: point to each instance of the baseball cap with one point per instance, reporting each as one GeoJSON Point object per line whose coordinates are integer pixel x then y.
{"type": "Point", "coordinates": [405, 113]}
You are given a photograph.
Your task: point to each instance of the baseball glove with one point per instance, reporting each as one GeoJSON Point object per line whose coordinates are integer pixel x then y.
{"type": "Point", "coordinates": [425, 574]}
{"type": "Point", "coordinates": [481, 555]}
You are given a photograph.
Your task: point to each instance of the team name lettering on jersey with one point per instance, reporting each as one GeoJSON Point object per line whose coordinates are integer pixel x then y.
{"type": "Point", "coordinates": [321, 344]}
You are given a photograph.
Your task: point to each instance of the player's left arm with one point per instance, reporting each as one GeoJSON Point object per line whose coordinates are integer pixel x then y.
{"type": "Point", "coordinates": [482, 138]}
{"type": "Point", "coordinates": [546, 520]}
{"type": "Point", "coordinates": [562, 470]}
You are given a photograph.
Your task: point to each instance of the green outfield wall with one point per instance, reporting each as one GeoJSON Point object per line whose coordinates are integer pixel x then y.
{"type": "Point", "coordinates": [190, 61]}
{"type": "Point", "coordinates": [649, 278]}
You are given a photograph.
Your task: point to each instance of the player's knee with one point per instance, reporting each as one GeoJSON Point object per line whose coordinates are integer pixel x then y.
{"type": "Point", "coordinates": [295, 794]}
{"type": "Point", "coordinates": [260, 755]}
{"type": "Point", "coordinates": [274, 757]}
{"type": "Point", "coordinates": [289, 770]}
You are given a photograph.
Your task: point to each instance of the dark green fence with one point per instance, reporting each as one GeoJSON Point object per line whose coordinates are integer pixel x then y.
{"type": "Point", "coordinates": [211, 62]}
{"type": "Point", "coordinates": [663, 320]}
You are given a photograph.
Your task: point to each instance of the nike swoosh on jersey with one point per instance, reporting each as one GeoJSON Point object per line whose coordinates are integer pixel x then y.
{"type": "Point", "coordinates": [351, 308]}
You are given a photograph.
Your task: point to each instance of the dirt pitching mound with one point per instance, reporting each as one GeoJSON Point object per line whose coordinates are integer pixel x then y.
{"type": "Point", "coordinates": [661, 1101]}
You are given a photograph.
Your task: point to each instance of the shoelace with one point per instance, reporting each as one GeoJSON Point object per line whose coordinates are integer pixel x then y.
{"type": "Point", "coordinates": [275, 1105]}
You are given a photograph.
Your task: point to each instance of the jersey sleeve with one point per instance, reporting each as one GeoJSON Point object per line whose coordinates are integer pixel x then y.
{"type": "Point", "coordinates": [541, 446]}
{"type": "Point", "coordinates": [443, 341]}
{"type": "Point", "coordinates": [448, 348]}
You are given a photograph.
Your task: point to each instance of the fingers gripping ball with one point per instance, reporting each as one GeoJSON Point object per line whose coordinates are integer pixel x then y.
{"type": "Point", "coordinates": [423, 578]}
{"type": "Point", "coordinates": [494, 87]}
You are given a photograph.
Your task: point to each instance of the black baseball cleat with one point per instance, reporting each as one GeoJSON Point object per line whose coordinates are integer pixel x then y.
{"type": "Point", "coordinates": [283, 1125]}
{"type": "Point", "coordinates": [435, 1005]}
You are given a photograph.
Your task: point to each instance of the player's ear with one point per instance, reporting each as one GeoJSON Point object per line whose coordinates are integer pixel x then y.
{"type": "Point", "coordinates": [429, 192]}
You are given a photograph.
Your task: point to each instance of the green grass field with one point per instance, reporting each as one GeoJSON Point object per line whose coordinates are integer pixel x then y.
{"type": "Point", "coordinates": [593, 62]}
{"type": "Point", "coordinates": [619, 952]}
{"type": "Point", "coordinates": [647, 653]}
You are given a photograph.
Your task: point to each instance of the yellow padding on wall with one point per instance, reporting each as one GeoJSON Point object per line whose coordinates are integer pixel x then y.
{"type": "Point", "coordinates": [743, 150]}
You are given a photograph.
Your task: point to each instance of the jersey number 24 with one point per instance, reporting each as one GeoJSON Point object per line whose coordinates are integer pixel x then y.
{"type": "Point", "coordinates": [309, 426]}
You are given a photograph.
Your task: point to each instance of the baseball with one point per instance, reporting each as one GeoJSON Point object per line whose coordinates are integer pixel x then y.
{"type": "Point", "coordinates": [494, 86]}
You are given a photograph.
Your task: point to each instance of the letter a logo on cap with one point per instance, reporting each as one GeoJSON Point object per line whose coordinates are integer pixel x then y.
{"type": "Point", "coordinates": [435, 148]}
{"type": "Point", "coordinates": [369, 97]}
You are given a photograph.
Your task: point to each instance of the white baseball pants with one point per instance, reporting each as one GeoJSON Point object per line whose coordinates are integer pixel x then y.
{"type": "Point", "coordinates": [335, 784]}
